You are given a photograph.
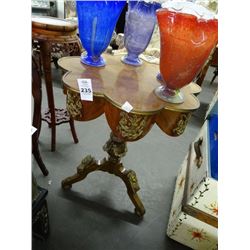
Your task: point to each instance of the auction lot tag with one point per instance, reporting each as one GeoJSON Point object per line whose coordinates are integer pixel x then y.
{"type": "Point", "coordinates": [127, 107]}
{"type": "Point", "coordinates": [85, 87]}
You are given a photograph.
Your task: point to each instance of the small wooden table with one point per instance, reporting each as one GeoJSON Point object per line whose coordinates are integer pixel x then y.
{"type": "Point", "coordinates": [49, 32]}
{"type": "Point", "coordinates": [113, 85]}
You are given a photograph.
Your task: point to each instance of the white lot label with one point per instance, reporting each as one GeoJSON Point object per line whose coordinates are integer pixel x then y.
{"type": "Point", "coordinates": [85, 87]}
{"type": "Point", "coordinates": [127, 107]}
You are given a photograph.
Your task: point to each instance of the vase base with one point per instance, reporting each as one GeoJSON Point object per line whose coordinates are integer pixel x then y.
{"type": "Point", "coordinates": [88, 60]}
{"type": "Point", "coordinates": [171, 96]}
{"type": "Point", "coordinates": [133, 62]}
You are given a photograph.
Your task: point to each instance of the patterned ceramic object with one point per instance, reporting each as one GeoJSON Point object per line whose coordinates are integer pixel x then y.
{"type": "Point", "coordinates": [139, 27]}
{"type": "Point", "coordinates": [198, 166]}
{"type": "Point", "coordinates": [96, 23]}
{"type": "Point", "coordinates": [186, 43]}
{"type": "Point", "coordinates": [194, 212]}
{"type": "Point", "coordinates": [189, 230]}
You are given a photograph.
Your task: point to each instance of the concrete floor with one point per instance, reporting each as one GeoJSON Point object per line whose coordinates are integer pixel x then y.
{"type": "Point", "coordinates": [96, 214]}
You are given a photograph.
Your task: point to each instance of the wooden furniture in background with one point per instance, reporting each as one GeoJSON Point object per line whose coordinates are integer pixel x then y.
{"type": "Point", "coordinates": [37, 95]}
{"type": "Point", "coordinates": [213, 62]}
{"type": "Point", "coordinates": [51, 33]}
{"type": "Point", "coordinates": [113, 85]}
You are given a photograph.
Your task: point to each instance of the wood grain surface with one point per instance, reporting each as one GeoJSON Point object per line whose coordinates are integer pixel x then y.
{"type": "Point", "coordinates": [118, 83]}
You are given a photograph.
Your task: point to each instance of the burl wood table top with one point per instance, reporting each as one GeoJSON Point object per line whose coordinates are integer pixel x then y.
{"type": "Point", "coordinates": [118, 82]}
{"type": "Point", "coordinates": [53, 29]}
{"type": "Point", "coordinates": [52, 23]}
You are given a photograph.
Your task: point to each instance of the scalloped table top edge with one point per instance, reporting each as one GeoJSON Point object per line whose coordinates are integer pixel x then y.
{"type": "Point", "coordinates": [118, 83]}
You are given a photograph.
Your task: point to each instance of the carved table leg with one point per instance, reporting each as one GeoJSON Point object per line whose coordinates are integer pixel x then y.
{"type": "Point", "coordinates": [39, 160]}
{"type": "Point", "coordinates": [46, 61]}
{"type": "Point", "coordinates": [87, 165]}
{"type": "Point", "coordinates": [72, 128]}
{"type": "Point", "coordinates": [116, 150]}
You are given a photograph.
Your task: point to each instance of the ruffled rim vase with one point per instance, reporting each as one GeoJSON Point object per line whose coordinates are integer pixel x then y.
{"type": "Point", "coordinates": [139, 27]}
{"type": "Point", "coordinates": [96, 23]}
{"type": "Point", "coordinates": [187, 39]}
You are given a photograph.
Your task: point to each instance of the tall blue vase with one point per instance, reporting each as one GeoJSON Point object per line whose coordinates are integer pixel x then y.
{"type": "Point", "coordinates": [139, 27]}
{"type": "Point", "coordinates": [96, 23]}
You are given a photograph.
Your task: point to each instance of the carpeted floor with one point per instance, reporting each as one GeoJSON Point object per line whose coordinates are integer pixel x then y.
{"type": "Point", "coordinates": [96, 214]}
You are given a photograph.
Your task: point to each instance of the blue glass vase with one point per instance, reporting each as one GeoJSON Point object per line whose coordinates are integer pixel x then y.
{"type": "Point", "coordinates": [96, 23]}
{"type": "Point", "coordinates": [139, 27]}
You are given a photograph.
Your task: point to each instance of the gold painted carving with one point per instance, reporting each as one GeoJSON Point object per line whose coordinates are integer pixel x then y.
{"type": "Point", "coordinates": [133, 180]}
{"type": "Point", "coordinates": [115, 149]}
{"type": "Point", "coordinates": [182, 123]}
{"type": "Point", "coordinates": [131, 126]}
{"type": "Point", "coordinates": [86, 162]}
{"type": "Point", "coordinates": [74, 104]}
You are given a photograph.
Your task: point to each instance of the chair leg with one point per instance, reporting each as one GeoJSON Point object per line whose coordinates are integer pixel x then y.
{"type": "Point", "coordinates": [55, 60]}
{"type": "Point", "coordinates": [37, 95]}
{"type": "Point", "coordinates": [36, 152]}
{"type": "Point", "coordinates": [73, 131]}
{"type": "Point", "coordinates": [39, 160]}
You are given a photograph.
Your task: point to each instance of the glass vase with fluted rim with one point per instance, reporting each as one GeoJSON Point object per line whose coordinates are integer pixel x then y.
{"type": "Point", "coordinates": [96, 23]}
{"type": "Point", "coordinates": [186, 42]}
{"type": "Point", "coordinates": [139, 26]}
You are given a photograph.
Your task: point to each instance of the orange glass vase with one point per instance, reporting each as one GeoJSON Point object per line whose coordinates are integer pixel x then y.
{"type": "Point", "coordinates": [185, 44]}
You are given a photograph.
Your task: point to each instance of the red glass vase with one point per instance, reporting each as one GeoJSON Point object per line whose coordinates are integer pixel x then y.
{"type": "Point", "coordinates": [185, 44]}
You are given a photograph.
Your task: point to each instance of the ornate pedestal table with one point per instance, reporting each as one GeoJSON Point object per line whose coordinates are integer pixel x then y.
{"type": "Point", "coordinates": [113, 85]}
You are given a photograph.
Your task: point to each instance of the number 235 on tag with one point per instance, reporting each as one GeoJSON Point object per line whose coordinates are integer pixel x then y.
{"type": "Point", "coordinates": [85, 87]}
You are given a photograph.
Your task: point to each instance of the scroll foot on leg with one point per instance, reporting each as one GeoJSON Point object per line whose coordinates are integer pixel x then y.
{"type": "Point", "coordinates": [87, 165]}
{"type": "Point", "coordinates": [66, 186]}
{"type": "Point", "coordinates": [131, 182]}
